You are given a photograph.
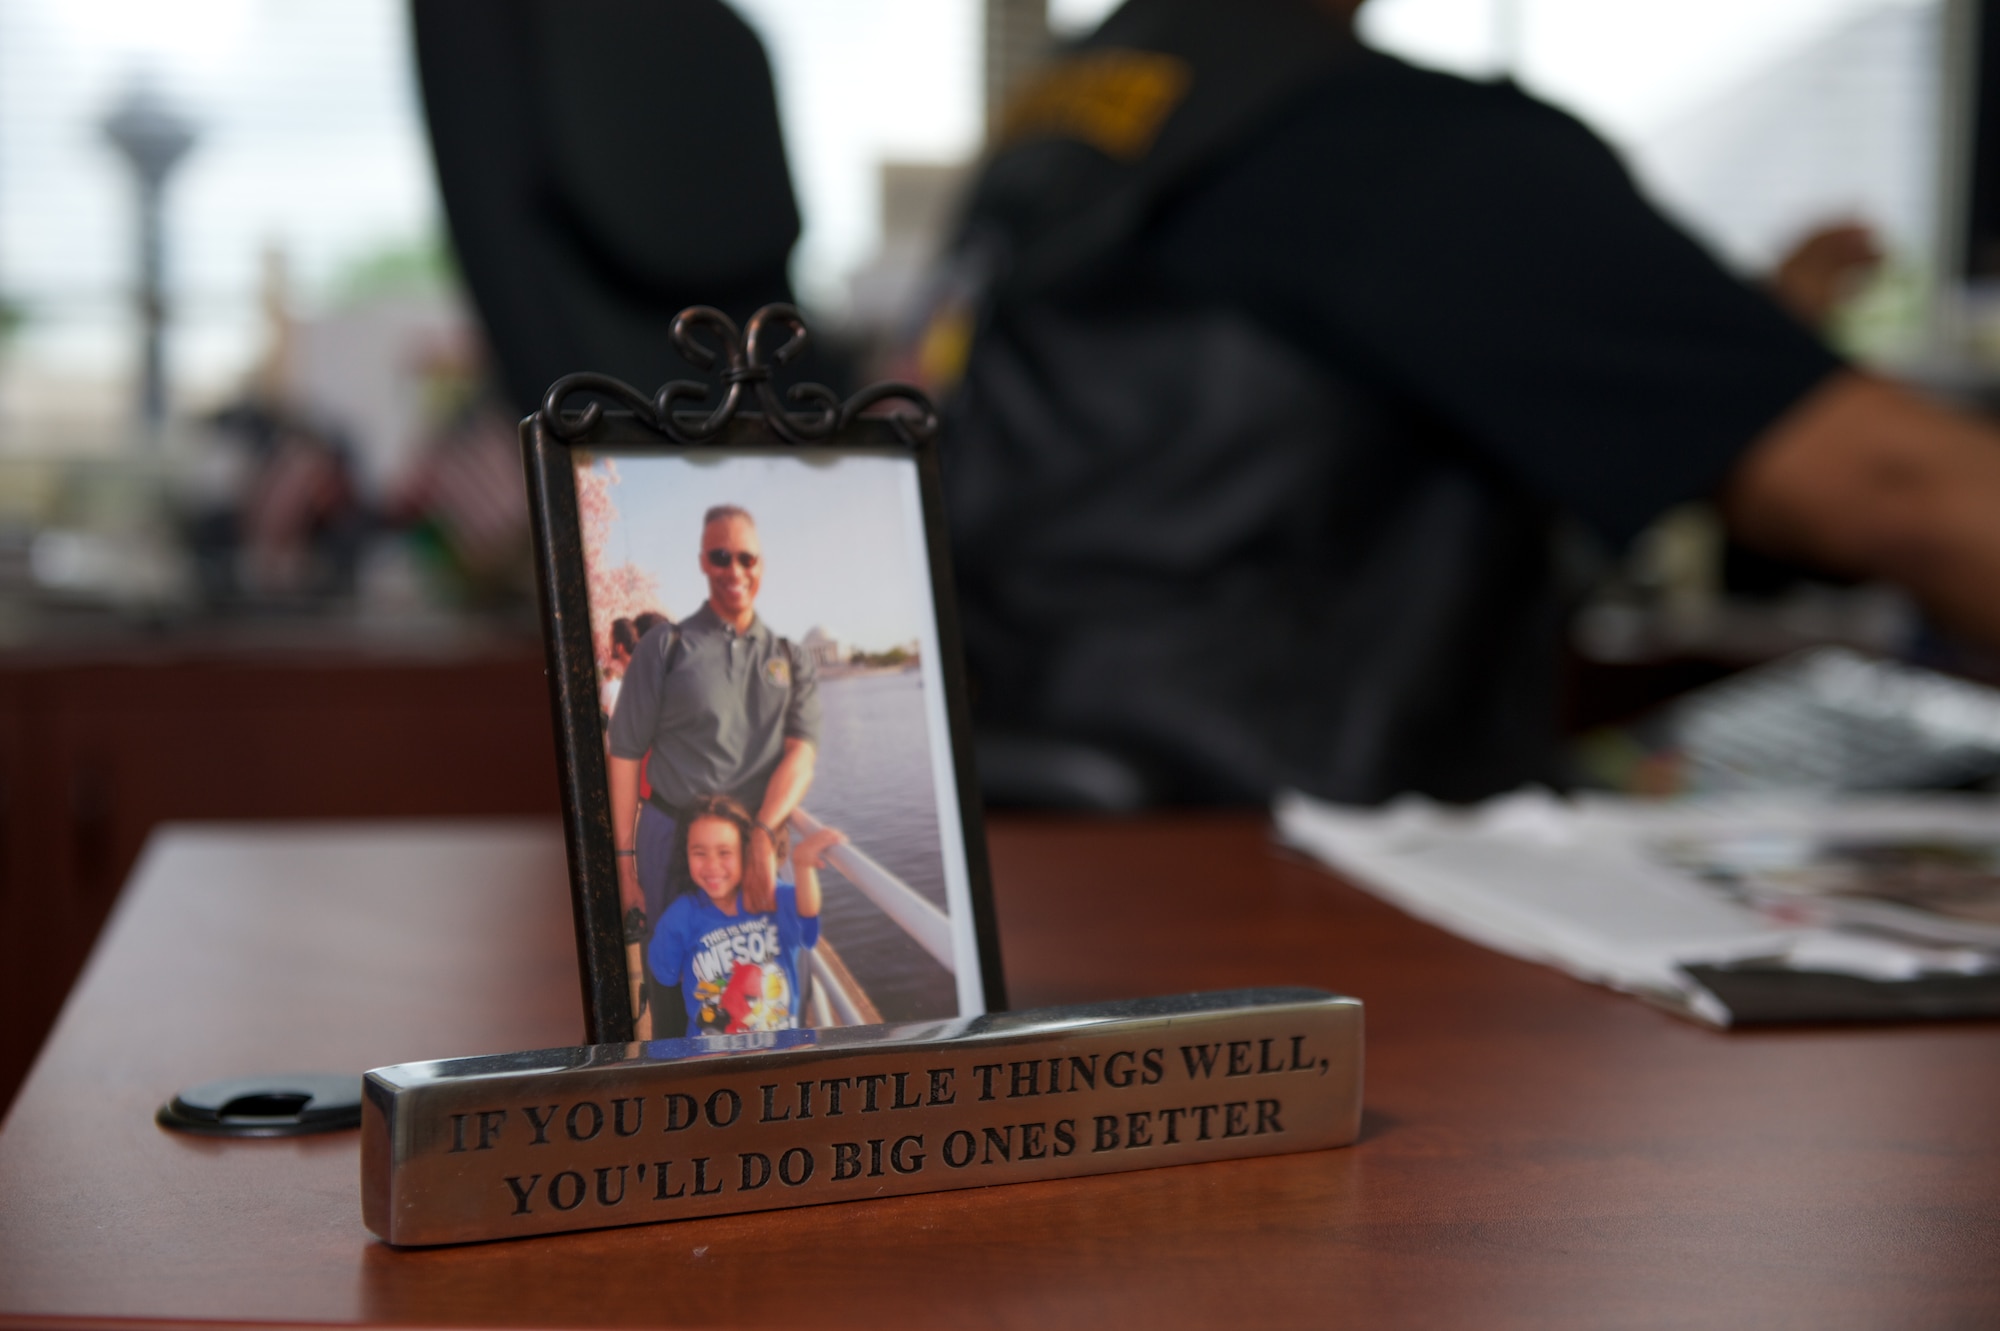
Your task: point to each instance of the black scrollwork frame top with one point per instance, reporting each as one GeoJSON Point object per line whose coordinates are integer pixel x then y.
{"type": "Point", "coordinates": [808, 412]}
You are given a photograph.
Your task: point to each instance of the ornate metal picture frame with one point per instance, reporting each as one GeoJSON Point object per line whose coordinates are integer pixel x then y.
{"type": "Point", "coordinates": [724, 779]}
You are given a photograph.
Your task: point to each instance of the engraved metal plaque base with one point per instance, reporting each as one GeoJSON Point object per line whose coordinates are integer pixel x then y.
{"type": "Point", "coordinates": [561, 1139]}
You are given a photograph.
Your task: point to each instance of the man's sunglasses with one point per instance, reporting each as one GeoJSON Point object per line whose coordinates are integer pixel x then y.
{"type": "Point", "coordinates": [721, 558]}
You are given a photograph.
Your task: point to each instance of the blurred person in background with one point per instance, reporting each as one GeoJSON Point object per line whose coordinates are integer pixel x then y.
{"type": "Point", "coordinates": [274, 515]}
{"type": "Point", "coordinates": [623, 639]}
{"type": "Point", "coordinates": [625, 635]}
{"type": "Point", "coordinates": [1281, 374]}
{"type": "Point", "coordinates": [603, 167]}
{"type": "Point", "coordinates": [462, 502]}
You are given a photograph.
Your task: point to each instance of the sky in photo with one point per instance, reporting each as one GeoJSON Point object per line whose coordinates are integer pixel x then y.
{"type": "Point", "coordinates": [835, 536]}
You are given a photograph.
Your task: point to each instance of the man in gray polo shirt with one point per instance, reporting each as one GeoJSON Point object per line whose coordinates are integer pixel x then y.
{"type": "Point", "coordinates": [715, 705]}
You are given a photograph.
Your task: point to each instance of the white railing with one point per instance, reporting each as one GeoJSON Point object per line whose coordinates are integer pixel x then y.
{"type": "Point", "coordinates": [913, 914]}
{"type": "Point", "coordinates": [832, 1005]}
{"type": "Point", "coordinates": [819, 1009]}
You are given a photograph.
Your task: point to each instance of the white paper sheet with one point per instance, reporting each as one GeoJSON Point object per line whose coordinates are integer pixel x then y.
{"type": "Point", "coordinates": [1582, 885]}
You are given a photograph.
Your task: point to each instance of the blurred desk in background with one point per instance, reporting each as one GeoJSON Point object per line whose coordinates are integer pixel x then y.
{"type": "Point", "coordinates": [104, 736]}
{"type": "Point", "coordinates": [1536, 1152]}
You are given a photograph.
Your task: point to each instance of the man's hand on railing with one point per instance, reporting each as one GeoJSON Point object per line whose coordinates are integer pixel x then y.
{"type": "Point", "coordinates": [810, 853]}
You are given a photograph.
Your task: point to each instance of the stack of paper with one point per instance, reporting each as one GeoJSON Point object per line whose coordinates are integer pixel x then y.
{"type": "Point", "coordinates": [1750, 908]}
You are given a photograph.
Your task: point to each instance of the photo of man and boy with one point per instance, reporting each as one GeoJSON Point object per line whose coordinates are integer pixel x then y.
{"type": "Point", "coordinates": [782, 797]}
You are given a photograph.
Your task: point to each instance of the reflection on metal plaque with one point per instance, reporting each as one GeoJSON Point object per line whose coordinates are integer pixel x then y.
{"type": "Point", "coordinates": [535, 1143]}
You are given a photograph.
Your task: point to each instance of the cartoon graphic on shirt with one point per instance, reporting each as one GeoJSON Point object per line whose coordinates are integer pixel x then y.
{"type": "Point", "coordinates": [740, 983]}
{"type": "Point", "coordinates": [759, 998]}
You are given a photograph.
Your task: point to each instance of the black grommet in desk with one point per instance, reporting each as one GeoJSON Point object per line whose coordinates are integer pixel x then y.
{"type": "Point", "coordinates": [290, 1105]}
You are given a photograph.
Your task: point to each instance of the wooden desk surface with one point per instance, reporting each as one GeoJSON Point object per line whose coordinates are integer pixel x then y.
{"type": "Point", "coordinates": [1536, 1152]}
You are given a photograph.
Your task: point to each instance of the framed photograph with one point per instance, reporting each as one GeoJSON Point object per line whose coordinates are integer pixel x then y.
{"type": "Point", "coordinates": [769, 803]}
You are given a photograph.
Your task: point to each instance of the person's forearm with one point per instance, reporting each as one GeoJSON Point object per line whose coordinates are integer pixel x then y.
{"type": "Point", "coordinates": [807, 889]}
{"type": "Point", "coordinates": [789, 783]}
{"type": "Point", "coordinates": [625, 832]}
{"type": "Point", "coordinates": [624, 801]}
{"type": "Point", "coordinates": [1867, 478]}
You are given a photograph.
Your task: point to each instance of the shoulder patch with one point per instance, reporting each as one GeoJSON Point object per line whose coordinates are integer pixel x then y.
{"type": "Point", "coordinates": [1115, 100]}
{"type": "Point", "coordinates": [778, 672]}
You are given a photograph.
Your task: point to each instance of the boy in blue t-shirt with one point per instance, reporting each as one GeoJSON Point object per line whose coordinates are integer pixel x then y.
{"type": "Point", "coordinates": [735, 960]}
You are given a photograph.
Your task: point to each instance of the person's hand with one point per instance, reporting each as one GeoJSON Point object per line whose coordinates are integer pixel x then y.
{"type": "Point", "coordinates": [1824, 269]}
{"type": "Point", "coordinates": [811, 852]}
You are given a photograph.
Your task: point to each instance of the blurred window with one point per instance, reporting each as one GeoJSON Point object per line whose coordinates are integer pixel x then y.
{"type": "Point", "coordinates": [1751, 121]}
{"type": "Point", "coordinates": [310, 147]}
